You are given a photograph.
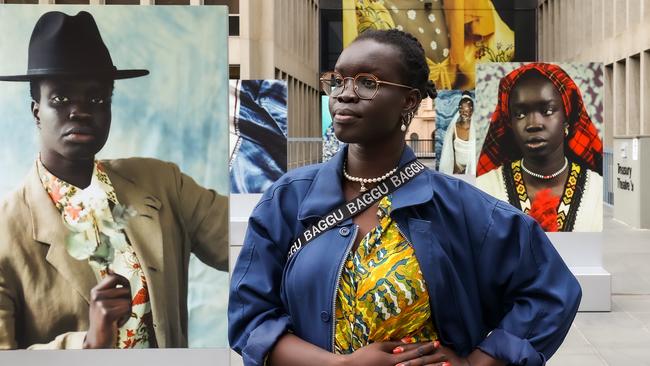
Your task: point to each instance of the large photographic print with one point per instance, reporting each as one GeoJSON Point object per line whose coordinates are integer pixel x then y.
{"type": "Point", "coordinates": [148, 212]}
{"type": "Point", "coordinates": [541, 130]}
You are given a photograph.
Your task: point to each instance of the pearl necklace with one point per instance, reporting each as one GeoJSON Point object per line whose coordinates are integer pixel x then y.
{"type": "Point", "coordinates": [365, 181]}
{"type": "Point", "coordinates": [546, 177]}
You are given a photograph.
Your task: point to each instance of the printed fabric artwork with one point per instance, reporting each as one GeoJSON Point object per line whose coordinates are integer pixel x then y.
{"type": "Point", "coordinates": [568, 199]}
{"type": "Point", "coordinates": [258, 134]}
{"type": "Point", "coordinates": [382, 294]}
{"type": "Point", "coordinates": [455, 34]}
{"type": "Point", "coordinates": [177, 114]}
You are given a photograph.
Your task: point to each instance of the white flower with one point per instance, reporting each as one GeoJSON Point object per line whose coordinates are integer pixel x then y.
{"type": "Point", "coordinates": [437, 30]}
{"type": "Point", "coordinates": [445, 52]}
{"type": "Point", "coordinates": [399, 27]}
{"type": "Point", "coordinates": [420, 30]}
{"type": "Point", "coordinates": [434, 45]}
{"type": "Point", "coordinates": [394, 9]}
{"type": "Point", "coordinates": [411, 14]}
{"type": "Point", "coordinates": [93, 198]}
{"type": "Point", "coordinates": [432, 18]}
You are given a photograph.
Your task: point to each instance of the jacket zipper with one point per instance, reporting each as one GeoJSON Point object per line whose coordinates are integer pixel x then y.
{"type": "Point", "coordinates": [336, 288]}
{"type": "Point", "coordinates": [401, 232]}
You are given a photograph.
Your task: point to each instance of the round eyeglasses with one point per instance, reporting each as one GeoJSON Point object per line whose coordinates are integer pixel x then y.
{"type": "Point", "coordinates": [365, 85]}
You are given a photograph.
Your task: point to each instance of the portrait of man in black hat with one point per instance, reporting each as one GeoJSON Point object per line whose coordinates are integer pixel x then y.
{"type": "Point", "coordinates": [95, 253]}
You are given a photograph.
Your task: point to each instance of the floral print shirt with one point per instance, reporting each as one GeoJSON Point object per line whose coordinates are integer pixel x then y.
{"type": "Point", "coordinates": [382, 295]}
{"type": "Point", "coordinates": [92, 207]}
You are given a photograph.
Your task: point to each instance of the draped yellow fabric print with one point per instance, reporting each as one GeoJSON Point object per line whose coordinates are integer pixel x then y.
{"type": "Point", "coordinates": [455, 34]}
{"type": "Point", "coordinates": [137, 332]}
{"type": "Point", "coordinates": [382, 294]}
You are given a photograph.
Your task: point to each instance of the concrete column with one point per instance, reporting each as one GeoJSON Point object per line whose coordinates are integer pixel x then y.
{"type": "Point", "coordinates": [644, 95]}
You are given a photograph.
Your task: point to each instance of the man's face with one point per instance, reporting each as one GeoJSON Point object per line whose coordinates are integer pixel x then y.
{"type": "Point", "coordinates": [74, 118]}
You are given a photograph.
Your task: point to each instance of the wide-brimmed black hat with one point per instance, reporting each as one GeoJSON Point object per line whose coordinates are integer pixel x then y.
{"type": "Point", "coordinates": [64, 45]}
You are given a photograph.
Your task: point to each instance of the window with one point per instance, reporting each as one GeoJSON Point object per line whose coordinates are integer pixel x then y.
{"type": "Point", "coordinates": [234, 72]}
{"type": "Point", "coordinates": [233, 5]}
{"type": "Point", "coordinates": [172, 2]}
{"type": "Point", "coordinates": [122, 2]}
{"type": "Point", "coordinates": [233, 25]}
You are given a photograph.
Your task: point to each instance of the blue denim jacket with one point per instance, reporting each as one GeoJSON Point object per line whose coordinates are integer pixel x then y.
{"type": "Point", "coordinates": [495, 281]}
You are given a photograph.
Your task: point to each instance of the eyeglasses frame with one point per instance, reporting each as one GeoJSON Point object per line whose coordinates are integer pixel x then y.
{"type": "Point", "coordinates": [354, 85]}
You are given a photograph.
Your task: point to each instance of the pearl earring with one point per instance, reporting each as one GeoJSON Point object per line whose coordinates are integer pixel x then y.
{"type": "Point", "coordinates": [406, 120]}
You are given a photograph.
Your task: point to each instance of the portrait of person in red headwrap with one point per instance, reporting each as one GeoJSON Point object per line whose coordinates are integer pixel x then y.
{"type": "Point", "coordinates": [542, 152]}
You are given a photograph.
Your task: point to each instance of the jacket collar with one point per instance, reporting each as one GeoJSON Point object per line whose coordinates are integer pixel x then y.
{"type": "Point", "coordinates": [48, 228]}
{"type": "Point", "coordinates": [326, 191]}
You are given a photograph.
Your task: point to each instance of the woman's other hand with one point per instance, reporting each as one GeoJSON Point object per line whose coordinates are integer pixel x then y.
{"type": "Point", "coordinates": [396, 353]}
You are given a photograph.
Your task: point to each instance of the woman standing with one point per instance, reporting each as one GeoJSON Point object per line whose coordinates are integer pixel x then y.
{"type": "Point", "coordinates": [458, 154]}
{"type": "Point", "coordinates": [542, 153]}
{"type": "Point", "coordinates": [434, 272]}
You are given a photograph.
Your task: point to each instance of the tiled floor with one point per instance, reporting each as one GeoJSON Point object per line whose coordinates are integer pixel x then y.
{"type": "Point", "coordinates": [622, 336]}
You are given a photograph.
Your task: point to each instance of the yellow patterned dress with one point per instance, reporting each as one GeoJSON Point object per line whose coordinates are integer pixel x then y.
{"type": "Point", "coordinates": [382, 294]}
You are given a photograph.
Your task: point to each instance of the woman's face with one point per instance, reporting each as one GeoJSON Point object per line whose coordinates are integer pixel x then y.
{"type": "Point", "coordinates": [377, 120]}
{"type": "Point", "coordinates": [465, 111]}
{"type": "Point", "coordinates": [537, 117]}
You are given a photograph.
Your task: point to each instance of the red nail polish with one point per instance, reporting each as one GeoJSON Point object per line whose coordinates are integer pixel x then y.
{"type": "Point", "coordinates": [401, 364]}
{"type": "Point", "coordinates": [406, 340]}
{"type": "Point", "coordinates": [436, 344]}
{"type": "Point", "coordinates": [398, 349]}
{"type": "Point", "coordinates": [446, 364]}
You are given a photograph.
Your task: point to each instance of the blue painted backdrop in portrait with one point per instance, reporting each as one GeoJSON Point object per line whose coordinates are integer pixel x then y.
{"type": "Point", "coordinates": [446, 107]}
{"type": "Point", "coordinates": [178, 113]}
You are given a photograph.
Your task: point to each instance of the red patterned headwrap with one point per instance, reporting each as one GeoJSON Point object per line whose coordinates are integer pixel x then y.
{"type": "Point", "coordinates": [583, 141]}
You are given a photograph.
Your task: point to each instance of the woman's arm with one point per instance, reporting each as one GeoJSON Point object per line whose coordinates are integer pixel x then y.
{"type": "Point", "coordinates": [525, 279]}
{"type": "Point", "coordinates": [256, 316]}
{"type": "Point", "coordinates": [290, 350]}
